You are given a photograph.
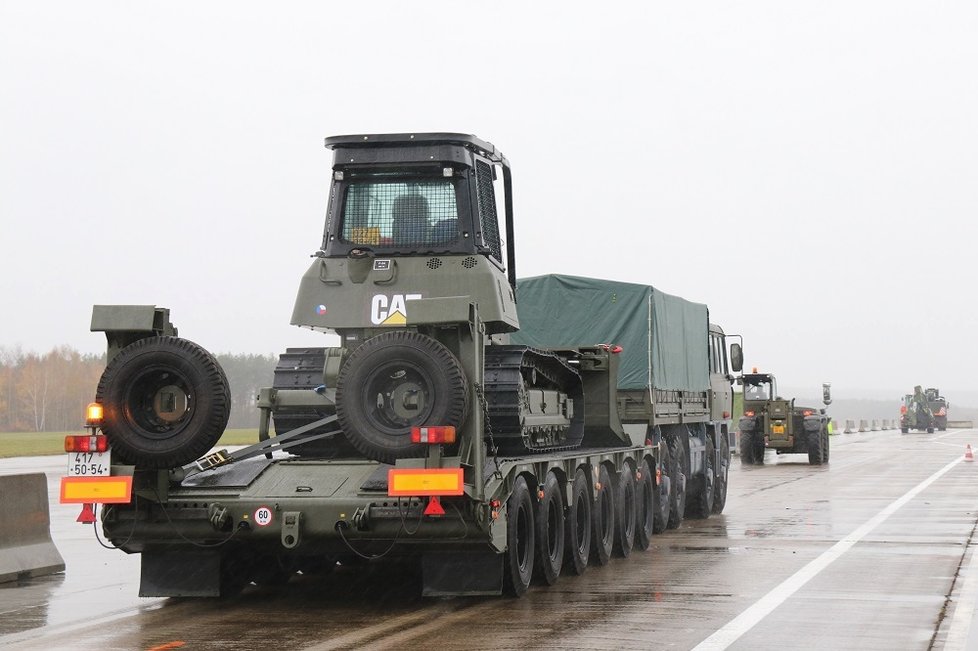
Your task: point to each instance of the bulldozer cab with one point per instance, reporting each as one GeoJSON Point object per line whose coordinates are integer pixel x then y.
{"type": "Point", "coordinates": [398, 195]}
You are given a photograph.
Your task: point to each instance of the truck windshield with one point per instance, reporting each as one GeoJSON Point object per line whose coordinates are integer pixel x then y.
{"type": "Point", "coordinates": [400, 214]}
{"type": "Point", "coordinates": [759, 390]}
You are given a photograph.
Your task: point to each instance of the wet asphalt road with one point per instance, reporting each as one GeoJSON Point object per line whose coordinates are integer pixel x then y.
{"type": "Point", "coordinates": [873, 551]}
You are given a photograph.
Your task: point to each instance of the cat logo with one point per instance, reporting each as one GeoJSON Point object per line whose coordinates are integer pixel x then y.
{"type": "Point", "coordinates": [391, 311]}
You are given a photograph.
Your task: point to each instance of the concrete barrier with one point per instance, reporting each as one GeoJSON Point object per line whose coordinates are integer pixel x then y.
{"type": "Point", "coordinates": [874, 425]}
{"type": "Point", "coordinates": [863, 426]}
{"type": "Point", "coordinates": [850, 427]}
{"type": "Point", "coordinates": [26, 548]}
{"type": "Point", "coordinates": [961, 424]}
{"type": "Point", "coordinates": [834, 427]}
{"type": "Point", "coordinates": [885, 425]}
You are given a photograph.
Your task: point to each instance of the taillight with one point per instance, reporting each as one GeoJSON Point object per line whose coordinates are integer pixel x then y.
{"type": "Point", "coordinates": [433, 435]}
{"type": "Point", "coordinates": [749, 412]}
{"type": "Point", "coordinates": [807, 412]}
{"type": "Point", "coordinates": [85, 443]}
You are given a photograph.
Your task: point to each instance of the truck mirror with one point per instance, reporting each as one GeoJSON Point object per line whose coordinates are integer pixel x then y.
{"type": "Point", "coordinates": [736, 357]}
{"type": "Point", "coordinates": [827, 394]}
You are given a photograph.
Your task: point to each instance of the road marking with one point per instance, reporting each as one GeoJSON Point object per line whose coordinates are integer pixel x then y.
{"type": "Point", "coordinates": [964, 608]}
{"type": "Point", "coordinates": [761, 608]}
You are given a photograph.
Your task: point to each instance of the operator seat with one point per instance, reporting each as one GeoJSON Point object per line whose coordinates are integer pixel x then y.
{"type": "Point", "coordinates": [409, 219]}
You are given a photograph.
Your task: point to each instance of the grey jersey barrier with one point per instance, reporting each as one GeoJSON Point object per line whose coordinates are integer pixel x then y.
{"type": "Point", "coordinates": [26, 548]}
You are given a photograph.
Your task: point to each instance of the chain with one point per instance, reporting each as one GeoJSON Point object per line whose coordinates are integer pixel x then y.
{"type": "Point", "coordinates": [488, 427]}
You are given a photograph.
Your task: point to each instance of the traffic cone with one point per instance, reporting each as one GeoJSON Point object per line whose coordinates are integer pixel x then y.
{"type": "Point", "coordinates": [968, 454]}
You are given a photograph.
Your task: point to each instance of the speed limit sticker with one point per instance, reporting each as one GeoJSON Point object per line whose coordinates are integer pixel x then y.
{"type": "Point", "coordinates": [263, 516]}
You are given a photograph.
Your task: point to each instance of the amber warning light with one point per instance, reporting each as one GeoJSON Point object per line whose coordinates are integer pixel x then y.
{"type": "Point", "coordinates": [93, 415]}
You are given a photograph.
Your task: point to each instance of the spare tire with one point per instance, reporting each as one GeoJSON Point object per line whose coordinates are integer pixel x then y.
{"type": "Point", "coordinates": [166, 402]}
{"type": "Point", "coordinates": [393, 382]}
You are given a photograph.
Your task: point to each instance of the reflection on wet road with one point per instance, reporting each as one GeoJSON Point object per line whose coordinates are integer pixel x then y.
{"type": "Point", "coordinates": [893, 570]}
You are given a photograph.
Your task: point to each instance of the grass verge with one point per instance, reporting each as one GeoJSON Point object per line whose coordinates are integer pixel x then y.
{"type": "Point", "coordinates": [36, 444]}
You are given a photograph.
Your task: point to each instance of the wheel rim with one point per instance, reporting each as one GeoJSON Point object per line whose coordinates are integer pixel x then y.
{"type": "Point", "coordinates": [159, 402]}
{"type": "Point", "coordinates": [398, 394]}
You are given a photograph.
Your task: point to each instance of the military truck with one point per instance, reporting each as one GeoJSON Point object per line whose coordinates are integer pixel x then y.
{"type": "Point", "coordinates": [489, 441]}
{"type": "Point", "coordinates": [938, 406]}
{"type": "Point", "coordinates": [772, 422]}
{"type": "Point", "coordinates": [916, 412]}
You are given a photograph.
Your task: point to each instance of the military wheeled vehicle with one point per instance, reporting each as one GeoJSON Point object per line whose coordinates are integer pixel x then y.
{"type": "Point", "coordinates": [772, 422]}
{"type": "Point", "coordinates": [917, 411]}
{"type": "Point", "coordinates": [493, 431]}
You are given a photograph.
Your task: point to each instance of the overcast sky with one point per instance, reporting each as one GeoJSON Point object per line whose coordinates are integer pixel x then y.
{"type": "Point", "coordinates": [807, 169]}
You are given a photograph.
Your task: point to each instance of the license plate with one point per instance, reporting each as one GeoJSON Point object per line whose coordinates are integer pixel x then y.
{"type": "Point", "coordinates": [777, 429]}
{"type": "Point", "coordinates": [89, 464]}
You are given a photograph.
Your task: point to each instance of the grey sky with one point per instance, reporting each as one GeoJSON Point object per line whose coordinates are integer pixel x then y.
{"type": "Point", "coordinates": [807, 169]}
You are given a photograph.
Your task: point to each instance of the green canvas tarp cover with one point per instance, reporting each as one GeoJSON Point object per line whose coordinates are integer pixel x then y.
{"type": "Point", "coordinates": [665, 339]}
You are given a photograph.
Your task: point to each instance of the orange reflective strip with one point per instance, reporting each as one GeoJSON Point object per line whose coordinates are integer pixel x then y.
{"type": "Point", "coordinates": [98, 490]}
{"type": "Point", "coordinates": [420, 482]}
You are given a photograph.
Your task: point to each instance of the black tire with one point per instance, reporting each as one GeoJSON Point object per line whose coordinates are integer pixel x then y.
{"type": "Point", "coordinates": [680, 470]}
{"type": "Point", "coordinates": [603, 518]}
{"type": "Point", "coordinates": [746, 449]}
{"type": "Point", "coordinates": [904, 430]}
{"type": "Point", "coordinates": [723, 475]}
{"type": "Point", "coordinates": [663, 490]}
{"type": "Point", "coordinates": [759, 448]}
{"type": "Point", "coordinates": [235, 573]}
{"type": "Point", "coordinates": [702, 505]}
{"type": "Point", "coordinates": [625, 511]}
{"type": "Point", "coordinates": [166, 402]}
{"type": "Point", "coordinates": [930, 430]}
{"type": "Point", "coordinates": [644, 507]}
{"type": "Point", "coordinates": [550, 530]}
{"type": "Point", "coordinates": [815, 449]}
{"type": "Point", "coordinates": [577, 540]}
{"type": "Point", "coordinates": [393, 382]}
{"type": "Point", "coordinates": [520, 540]}
{"type": "Point", "coordinates": [826, 446]}
{"type": "Point", "coordinates": [272, 570]}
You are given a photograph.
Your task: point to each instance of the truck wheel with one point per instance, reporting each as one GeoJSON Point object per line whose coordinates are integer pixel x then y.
{"type": "Point", "coordinates": [680, 470]}
{"type": "Point", "coordinates": [645, 507]}
{"type": "Point", "coordinates": [393, 382]}
{"type": "Point", "coordinates": [578, 538]}
{"type": "Point", "coordinates": [625, 512]}
{"type": "Point", "coordinates": [166, 402]}
{"type": "Point", "coordinates": [825, 446]}
{"type": "Point", "coordinates": [520, 540]}
{"type": "Point", "coordinates": [930, 430]}
{"type": "Point", "coordinates": [746, 449]}
{"type": "Point", "coordinates": [904, 430]}
{"type": "Point", "coordinates": [603, 517]}
{"type": "Point", "coordinates": [723, 473]}
{"type": "Point", "coordinates": [703, 502]}
{"type": "Point", "coordinates": [663, 490]}
{"type": "Point", "coordinates": [815, 449]}
{"type": "Point", "coordinates": [550, 530]}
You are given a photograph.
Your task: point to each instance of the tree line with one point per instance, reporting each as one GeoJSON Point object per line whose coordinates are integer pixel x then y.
{"type": "Point", "coordinates": [48, 392]}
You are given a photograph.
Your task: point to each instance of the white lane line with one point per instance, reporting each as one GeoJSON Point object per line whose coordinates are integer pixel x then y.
{"type": "Point", "coordinates": [964, 608]}
{"type": "Point", "coordinates": [761, 608]}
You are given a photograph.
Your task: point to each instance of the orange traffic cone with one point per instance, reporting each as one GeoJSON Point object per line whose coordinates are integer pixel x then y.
{"type": "Point", "coordinates": [968, 454]}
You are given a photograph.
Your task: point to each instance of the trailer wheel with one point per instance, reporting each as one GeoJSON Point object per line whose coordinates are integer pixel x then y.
{"type": "Point", "coordinates": [825, 446]}
{"type": "Point", "coordinates": [166, 402]}
{"type": "Point", "coordinates": [663, 489]}
{"type": "Point", "coordinates": [520, 543]}
{"type": "Point", "coordinates": [603, 517]}
{"type": "Point", "coordinates": [625, 512]}
{"type": "Point", "coordinates": [723, 473]}
{"type": "Point", "coordinates": [703, 503]}
{"type": "Point", "coordinates": [393, 382]}
{"type": "Point", "coordinates": [677, 496]}
{"type": "Point", "coordinates": [815, 454]}
{"type": "Point", "coordinates": [645, 507]}
{"type": "Point", "coordinates": [577, 540]}
{"type": "Point", "coordinates": [550, 530]}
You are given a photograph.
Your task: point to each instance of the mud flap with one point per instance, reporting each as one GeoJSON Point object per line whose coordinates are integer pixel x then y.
{"type": "Point", "coordinates": [462, 573]}
{"type": "Point", "coordinates": [190, 573]}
